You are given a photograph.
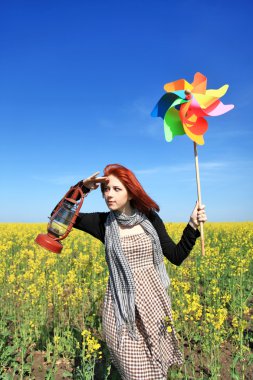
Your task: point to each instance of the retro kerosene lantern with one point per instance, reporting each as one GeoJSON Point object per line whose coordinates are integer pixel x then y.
{"type": "Point", "coordinates": [62, 219]}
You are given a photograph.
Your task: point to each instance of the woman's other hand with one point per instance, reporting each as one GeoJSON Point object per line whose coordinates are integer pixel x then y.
{"type": "Point", "coordinates": [93, 181]}
{"type": "Point", "coordinates": [198, 215]}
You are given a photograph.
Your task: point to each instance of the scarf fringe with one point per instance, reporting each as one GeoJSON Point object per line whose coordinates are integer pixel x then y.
{"type": "Point", "coordinates": [131, 330]}
{"type": "Point", "coordinates": [161, 268]}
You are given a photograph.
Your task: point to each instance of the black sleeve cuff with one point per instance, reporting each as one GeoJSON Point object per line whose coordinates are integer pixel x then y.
{"type": "Point", "coordinates": [193, 232]}
{"type": "Point", "coordinates": [85, 189]}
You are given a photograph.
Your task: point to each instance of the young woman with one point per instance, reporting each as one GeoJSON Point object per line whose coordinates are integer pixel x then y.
{"type": "Point", "coordinates": [136, 320]}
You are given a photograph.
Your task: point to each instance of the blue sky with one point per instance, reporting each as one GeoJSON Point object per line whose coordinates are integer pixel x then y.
{"type": "Point", "coordinates": [79, 80]}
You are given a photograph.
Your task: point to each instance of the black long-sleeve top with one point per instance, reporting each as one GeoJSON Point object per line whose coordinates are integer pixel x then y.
{"type": "Point", "coordinates": [94, 224]}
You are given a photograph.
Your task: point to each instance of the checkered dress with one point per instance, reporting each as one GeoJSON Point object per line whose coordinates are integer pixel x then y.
{"type": "Point", "coordinates": [156, 349]}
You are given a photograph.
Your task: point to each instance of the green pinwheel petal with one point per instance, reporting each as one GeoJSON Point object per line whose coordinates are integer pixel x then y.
{"type": "Point", "coordinates": [172, 124]}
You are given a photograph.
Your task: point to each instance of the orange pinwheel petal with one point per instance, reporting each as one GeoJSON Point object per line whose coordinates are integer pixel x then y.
{"type": "Point", "coordinates": [180, 84]}
{"type": "Point", "coordinates": [183, 111]}
{"type": "Point", "coordinates": [199, 83]}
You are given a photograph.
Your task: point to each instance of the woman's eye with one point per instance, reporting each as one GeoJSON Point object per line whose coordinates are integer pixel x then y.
{"type": "Point", "coordinates": [117, 189]}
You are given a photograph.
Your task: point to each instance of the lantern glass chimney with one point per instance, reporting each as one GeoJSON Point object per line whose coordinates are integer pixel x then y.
{"type": "Point", "coordinates": [61, 221]}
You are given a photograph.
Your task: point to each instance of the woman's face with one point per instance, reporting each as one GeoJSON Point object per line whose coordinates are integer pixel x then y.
{"type": "Point", "coordinates": [116, 195]}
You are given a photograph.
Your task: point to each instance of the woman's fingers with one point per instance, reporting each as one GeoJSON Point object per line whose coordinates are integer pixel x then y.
{"type": "Point", "coordinates": [201, 214]}
{"type": "Point", "coordinates": [93, 176]}
{"type": "Point", "coordinates": [96, 179]}
{"type": "Point", "coordinates": [93, 181]}
{"type": "Point", "coordinates": [101, 179]}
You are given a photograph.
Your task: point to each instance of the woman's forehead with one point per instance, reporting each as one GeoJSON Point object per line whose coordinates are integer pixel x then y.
{"type": "Point", "coordinates": [114, 181]}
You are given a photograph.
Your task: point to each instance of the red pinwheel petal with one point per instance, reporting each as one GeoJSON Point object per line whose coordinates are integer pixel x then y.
{"type": "Point", "coordinates": [193, 110]}
{"type": "Point", "coordinates": [199, 127]}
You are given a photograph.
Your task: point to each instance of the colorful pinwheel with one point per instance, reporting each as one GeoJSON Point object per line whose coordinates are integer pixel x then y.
{"type": "Point", "coordinates": [185, 105]}
{"type": "Point", "coordinates": [184, 108]}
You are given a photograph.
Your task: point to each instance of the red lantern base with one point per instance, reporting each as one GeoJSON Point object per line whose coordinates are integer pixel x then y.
{"type": "Point", "coordinates": [49, 242]}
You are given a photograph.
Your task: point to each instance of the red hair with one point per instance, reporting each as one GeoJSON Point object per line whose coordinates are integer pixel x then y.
{"type": "Point", "coordinates": [140, 198]}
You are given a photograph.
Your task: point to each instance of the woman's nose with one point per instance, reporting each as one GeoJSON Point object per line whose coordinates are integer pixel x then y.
{"type": "Point", "coordinates": [109, 193]}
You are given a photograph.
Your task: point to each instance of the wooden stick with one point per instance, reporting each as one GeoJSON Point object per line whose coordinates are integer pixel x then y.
{"type": "Point", "coordinates": [199, 198]}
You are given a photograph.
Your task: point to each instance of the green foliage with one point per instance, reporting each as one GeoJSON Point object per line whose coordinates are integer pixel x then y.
{"type": "Point", "coordinates": [50, 306]}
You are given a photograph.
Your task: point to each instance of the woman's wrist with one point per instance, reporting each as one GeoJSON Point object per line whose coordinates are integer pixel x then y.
{"type": "Point", "coordinates": [83, 186]}
{"type": "Point", "coordinates": [193, 224]}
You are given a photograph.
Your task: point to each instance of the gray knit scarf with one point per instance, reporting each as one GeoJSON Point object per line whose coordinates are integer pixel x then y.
{"type": "Point", "coordinates": [121, 279]}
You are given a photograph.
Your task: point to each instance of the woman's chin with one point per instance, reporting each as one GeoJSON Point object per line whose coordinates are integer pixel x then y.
{"type": "Point", "coordinates": [112, 207]}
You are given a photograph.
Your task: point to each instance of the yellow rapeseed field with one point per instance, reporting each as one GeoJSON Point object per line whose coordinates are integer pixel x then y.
{"type": "Point", "coordinates": [50, 310]}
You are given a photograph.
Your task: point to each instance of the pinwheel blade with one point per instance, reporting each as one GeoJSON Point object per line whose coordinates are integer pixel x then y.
{"type": "Point", "coordinates": [172, 124]}
{"type": "Point", "coordinates": [185, 106]}
{"type": "Point", "coordinates": [163, 105]}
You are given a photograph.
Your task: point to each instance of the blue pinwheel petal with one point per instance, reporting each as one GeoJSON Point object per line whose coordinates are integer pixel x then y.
{"type": "Point", "coordinates": [164, 104]}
